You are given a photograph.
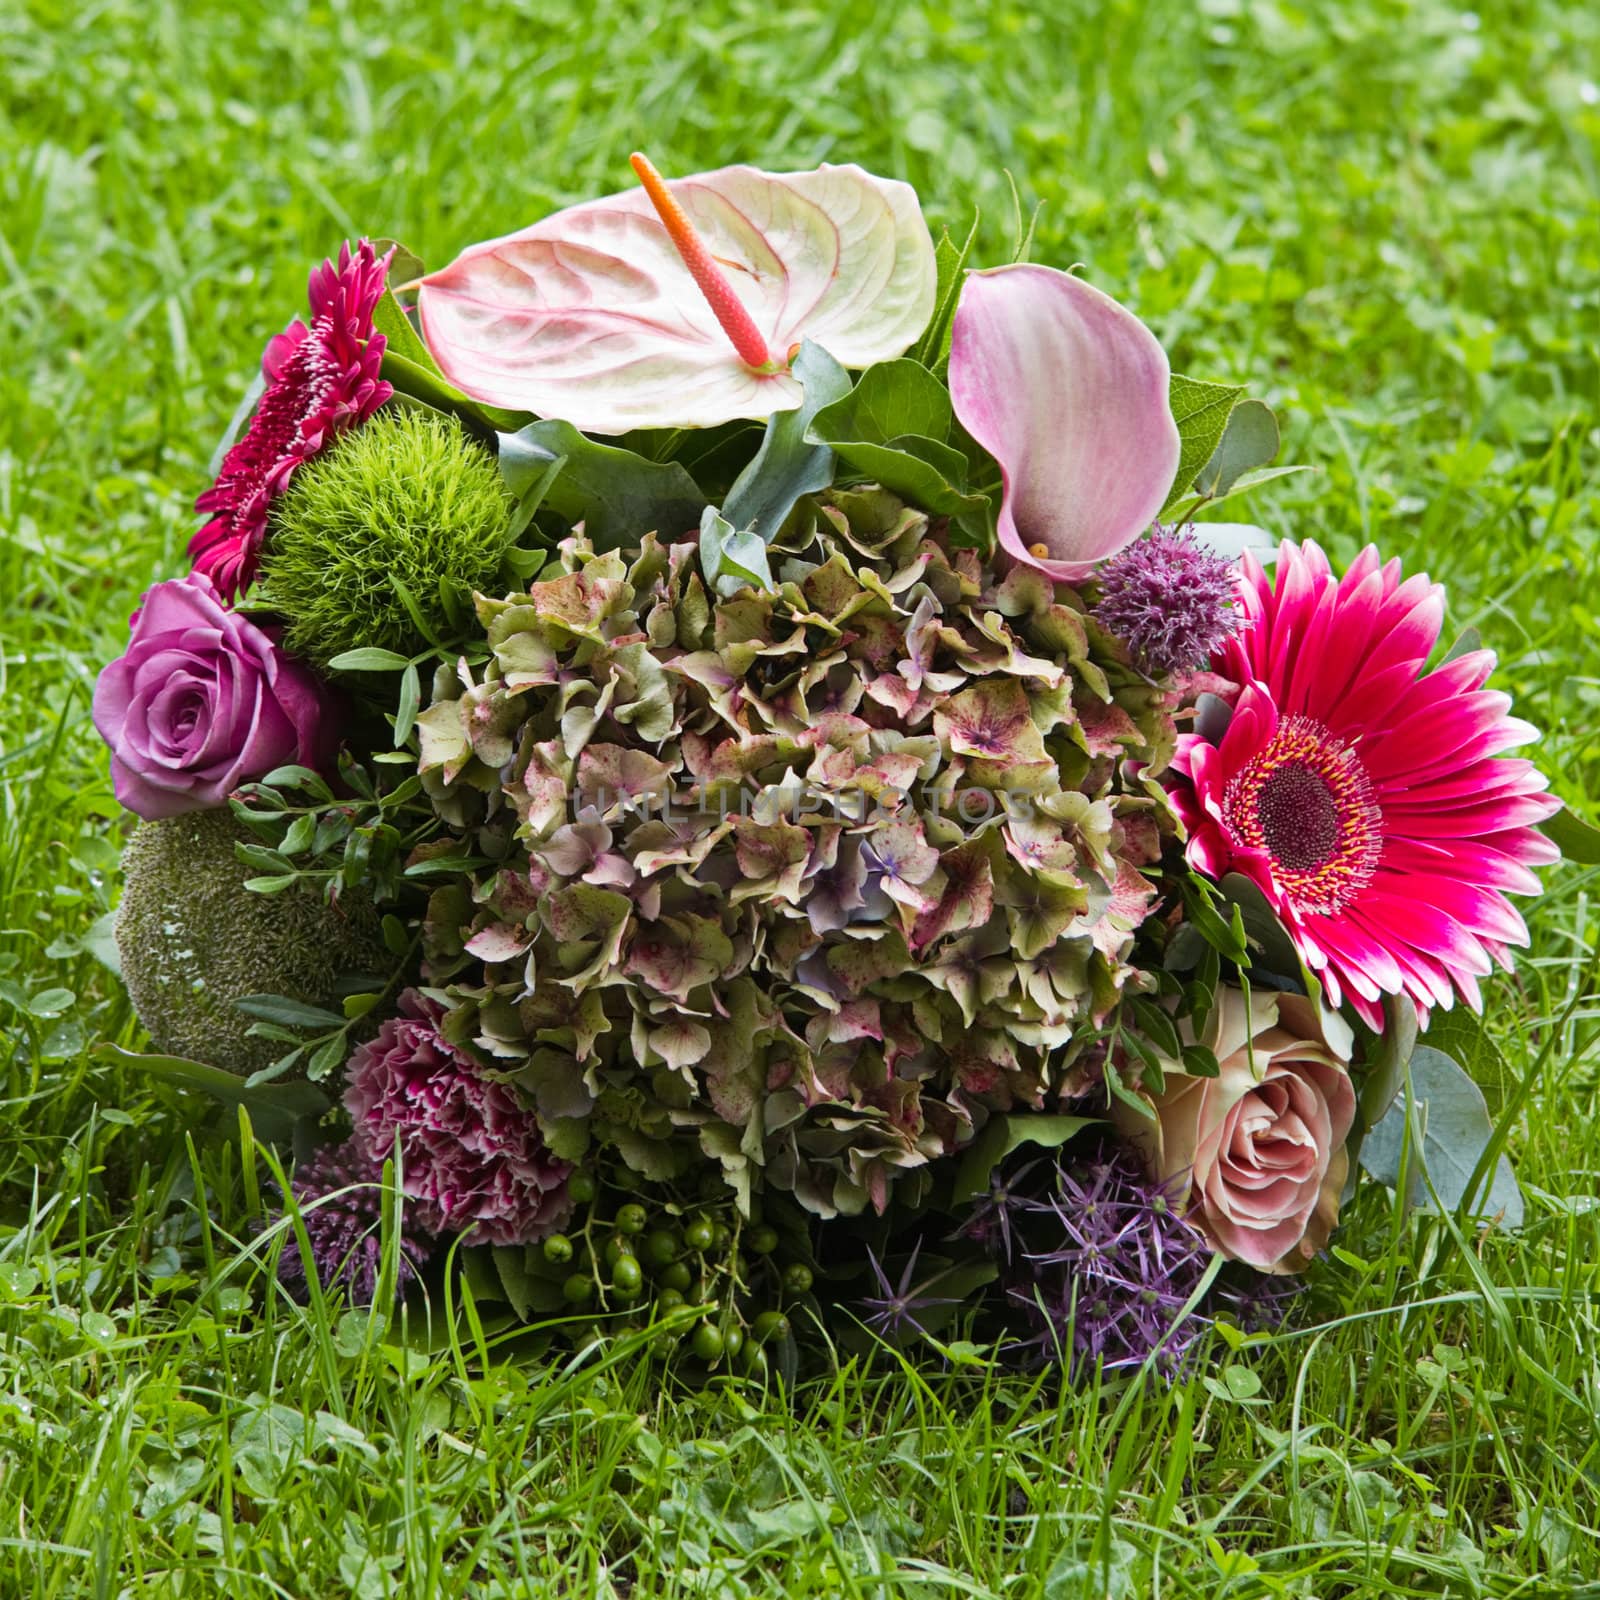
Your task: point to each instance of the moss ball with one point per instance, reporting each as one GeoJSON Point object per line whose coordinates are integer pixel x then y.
{"type": "Point", "coordinates": [406, 507]}
{"type": "Point", "coordinates": [194, 940]}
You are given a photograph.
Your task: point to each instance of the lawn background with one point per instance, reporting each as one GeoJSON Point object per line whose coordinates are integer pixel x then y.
{"type": "Point", "coordinates": [1382, 216]}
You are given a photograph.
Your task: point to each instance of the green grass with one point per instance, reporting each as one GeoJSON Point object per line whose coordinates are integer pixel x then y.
{"type": "Point", "coordinates": [1382, 215]}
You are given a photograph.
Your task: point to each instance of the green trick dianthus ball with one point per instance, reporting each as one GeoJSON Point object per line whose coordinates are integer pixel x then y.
{"type": "Point", "coordinates": [194, 940]}
{"type": "Point", "coordinates": [407, 506]}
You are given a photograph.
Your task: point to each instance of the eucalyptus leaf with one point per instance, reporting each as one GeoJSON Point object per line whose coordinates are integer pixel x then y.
{"type": "Point", "coordinates": [1576, 839]}
{"type": "Point", "coordinates": [1001, 1137]}
{"type": "Point", "coordinates": [1388, 1056]}
{"type": "Point", "coordinates": [1249, 441]}
{"type": "Point", "coordinates": [617, 495]}
{"type": "Point", "coordinates": [789, 463]}
{"type": "Point", "coordinates": [1201, 411]}
{"type": "Point", "coordinates": [1230, 540]}
{"type": "Point", "coordinates": [1451, 1131]}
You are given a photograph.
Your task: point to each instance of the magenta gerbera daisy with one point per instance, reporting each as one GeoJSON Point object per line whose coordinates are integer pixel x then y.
{"type": "Point", "coordinates": [1368, 798]}
{"type": "Point", "coordinates": [320, 381]}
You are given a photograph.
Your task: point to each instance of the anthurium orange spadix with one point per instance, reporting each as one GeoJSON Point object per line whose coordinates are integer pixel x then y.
{"type": "Point", "coordinates": [682, 304]}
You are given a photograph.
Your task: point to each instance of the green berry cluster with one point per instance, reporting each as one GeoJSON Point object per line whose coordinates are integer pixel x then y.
{"type": "Point", "coordinates": [713, 1284]}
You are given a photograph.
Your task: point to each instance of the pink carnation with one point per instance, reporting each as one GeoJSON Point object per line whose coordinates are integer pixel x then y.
{"type": "Point", "coordinates": [320, 381]}
{"type": "Point", "coordinates": [471, 1156]}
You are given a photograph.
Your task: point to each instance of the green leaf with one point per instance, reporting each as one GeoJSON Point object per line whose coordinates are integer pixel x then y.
{"type": "Point", "coordinates": [950, 265]}
{"type": "Point", "coordinates": [922, 471]}
{"type": "Point", "coordinates": [1460, 1033]}
{"type": "Point", "coordinates": [1250, 440]}
{"type": "Point", "coordinates": [1201, 411]}
{"type": "Point", "coordinates": [1387, 1059]}
{"type": "Point", "coordinates": [618, 496]}
{"type": "Point", "coordinates": [1001, 1136]}
{"type": "Point", "coordinates": [1178, 510]}
{"type": "Point", "coordinates": [732, 559]}
{"type": "Point", "coordinates": [290, 1013]}
{"type": "Point", "coordinates": [788, 465]}
{"type": "Point", "coordinates": [1576, 839]}
{"type": "Point", "coordinates": [890, 399]}
{"type": "Point", "coordinates": [274, 1108]}
{"type": "Point", "coordinates": [369, 659]}
{"type": "Point", "coordinates": [405, 718]}
{"type": "Point", "coordinates": [1452, 1120]}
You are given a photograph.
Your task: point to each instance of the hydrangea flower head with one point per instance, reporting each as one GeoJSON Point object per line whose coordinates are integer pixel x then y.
{"type": "Point", "coordinates": [320, 380]}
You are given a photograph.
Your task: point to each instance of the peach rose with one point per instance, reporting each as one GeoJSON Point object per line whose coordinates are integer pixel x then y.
{"type": "Point", "coordinates": [1263, 1143]}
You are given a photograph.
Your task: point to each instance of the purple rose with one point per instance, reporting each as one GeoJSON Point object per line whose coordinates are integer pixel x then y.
{"type": "Point", "coordinates": [471, 1156]}
{"type": "Point", "coordinates": [202, 702]}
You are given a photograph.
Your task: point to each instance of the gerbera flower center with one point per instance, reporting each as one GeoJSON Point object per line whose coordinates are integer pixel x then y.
{"type": "Point", "coordinates": [1306, 801]}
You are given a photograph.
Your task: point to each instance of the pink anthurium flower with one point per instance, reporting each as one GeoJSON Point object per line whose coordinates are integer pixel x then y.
{"type": "Point", "coordinates": [1067, 390]}
{"type": "Point", "coordinates": [681, 305]}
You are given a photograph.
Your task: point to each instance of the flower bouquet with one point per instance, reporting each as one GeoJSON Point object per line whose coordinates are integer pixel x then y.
{"type": "Point", "coordinates": [705, 778]}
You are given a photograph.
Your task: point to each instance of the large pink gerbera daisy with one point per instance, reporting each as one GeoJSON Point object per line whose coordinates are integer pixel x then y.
{"type": "Point", "coordinates": [320, 381]}
{"type": "Point", "coordinates": [1367, 797]}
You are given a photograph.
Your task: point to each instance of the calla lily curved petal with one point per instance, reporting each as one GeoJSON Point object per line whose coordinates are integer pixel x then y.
{"type": "Point", "coordinates": [592, 316]}
{"type": "Point", "coordinates": [1067, 390]}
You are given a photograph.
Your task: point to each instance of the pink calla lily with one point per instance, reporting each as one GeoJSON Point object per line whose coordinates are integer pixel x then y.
{"type": "Point", "coordinates": [1067, 390]}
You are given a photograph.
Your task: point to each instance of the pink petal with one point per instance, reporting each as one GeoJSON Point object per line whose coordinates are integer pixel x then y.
{"type": "Point", "coordinates": [1068, 391]}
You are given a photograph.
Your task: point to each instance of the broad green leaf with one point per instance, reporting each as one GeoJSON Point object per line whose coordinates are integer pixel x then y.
{"type": "Point", "coordinates": [1576, 839]}
{"type": "Point", "coordinates": [1460, 1033]}
{"type": "Point", "coordinates": [890, 399]}
{"type": "Point", "coordinates": [1201, 411]}
{"type": "Point", "coordinates": [788, 464]}
{"type": "Point", "coordinates": [1003, 1135]}
{"type": "Point", "coordinates": [732, 558]}
{"type": "Point", "coordinates": [923, 472]}
{"type": "Point", "coordinates": [1249, 441]}
{"type": "Point", "coordinates": [618, 496]}
{"type": "Point", "coordinates": [422, 383]}
{"type": "Point", "coordinates": [1451, 1131]}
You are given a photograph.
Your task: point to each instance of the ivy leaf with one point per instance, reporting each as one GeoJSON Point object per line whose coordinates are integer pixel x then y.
{"type": "Point", "coordinates": [1201, 411]}
{"type": "Point", "coordinates": [789, 463]}
{"type": "Point", "coordinates": [1001, 1136]}
{"type": "Point", "coordinates": [617, 496]}
{"type": "Point", "coordinates": [1450, 1133]}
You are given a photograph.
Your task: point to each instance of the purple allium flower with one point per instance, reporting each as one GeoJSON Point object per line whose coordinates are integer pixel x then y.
{"type": "Point", "coordinates": [471, 1156]}
{"type": "Point", "coordinates": [894, 1312]}
{"type": "Point", "coordinates": [1113, 1263]}
{"type": "Point", "coordinates": [1172, 601]}
{"type": "Point", "coordinates": [340, 1196]}
{"type": "Point", "coordinates": [1260, 1301]}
